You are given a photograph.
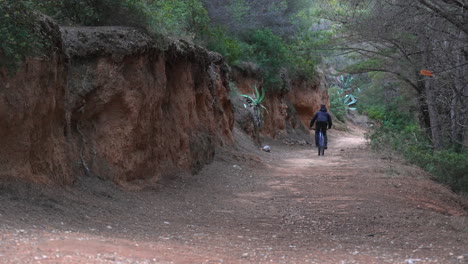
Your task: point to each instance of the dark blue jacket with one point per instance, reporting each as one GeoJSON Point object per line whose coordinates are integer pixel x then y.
{"type": "Point", "coordinates": [322, 116]}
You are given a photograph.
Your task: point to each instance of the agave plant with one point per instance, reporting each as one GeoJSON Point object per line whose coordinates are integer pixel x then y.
{"type": "Point", "coordinates": [254, 102]}
{"type": "Point", "coordinates": [345, 90]}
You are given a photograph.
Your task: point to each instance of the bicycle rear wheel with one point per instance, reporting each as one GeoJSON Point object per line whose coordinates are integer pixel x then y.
{"type": "Point", "coordinates": [321, 144]}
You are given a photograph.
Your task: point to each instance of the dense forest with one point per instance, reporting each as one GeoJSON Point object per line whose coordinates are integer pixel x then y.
{"type": "Point", "coordinates": [402, 63]}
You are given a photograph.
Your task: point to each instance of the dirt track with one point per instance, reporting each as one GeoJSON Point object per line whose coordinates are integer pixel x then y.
{"type": "Point", "coordinates": [287, 206]}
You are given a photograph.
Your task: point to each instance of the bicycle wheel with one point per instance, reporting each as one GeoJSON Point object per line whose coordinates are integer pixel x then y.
{"type": "Point", "coordinates": [321, 147]}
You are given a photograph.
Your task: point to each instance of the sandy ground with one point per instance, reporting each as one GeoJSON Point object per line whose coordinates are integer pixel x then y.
{"type": "Point", "coordinates": [287, 206]}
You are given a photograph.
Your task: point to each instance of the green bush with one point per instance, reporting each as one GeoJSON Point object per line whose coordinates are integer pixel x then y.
{"type": "Point", "coordinates": [376, 112]}
{"type": "Point", "coordinates": [271, 53]}
{"type": "Point", "coordinates": [452, 168]}
{"type": "Point", "coordinates": [20, 32]}
{"type": "Point", "coordinates": [262, 47]}
{"type": "Point", "coordinates": [399, 132]}
{"type": "Point", "coordinates": [233, 49]}
{"type": "Point", "coordinates": [187, 18]}
{"type": "Point", "coordinates": [175, 18]}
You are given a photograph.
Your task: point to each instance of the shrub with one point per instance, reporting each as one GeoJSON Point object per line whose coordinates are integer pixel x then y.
{"type": "Point", "coordinates": [233, 49]}
{"type": "Point", "coordinates": [451, 167]}
{"type": "Point", "coordinates": [376, 112]}
{"type": "Point", "coordinates": [20, 32]}
{"type": "Point", "coordinates": [401, 134]}
{"type": "Point", "coordinates": [187, 19]}
{"type": "Point", "coordinates": [271, 53]}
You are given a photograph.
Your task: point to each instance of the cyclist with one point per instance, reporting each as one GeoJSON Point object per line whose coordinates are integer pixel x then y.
{"type": "Point", "coordinates": [323, 119]}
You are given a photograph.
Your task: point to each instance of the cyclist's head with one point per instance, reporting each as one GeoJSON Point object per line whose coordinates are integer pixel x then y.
{"type": "Point", "coordinates": [323, 107]}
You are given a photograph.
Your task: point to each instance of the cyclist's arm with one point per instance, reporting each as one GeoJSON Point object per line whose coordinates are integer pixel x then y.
{"type": "Point", "coordinates": [313, 120]}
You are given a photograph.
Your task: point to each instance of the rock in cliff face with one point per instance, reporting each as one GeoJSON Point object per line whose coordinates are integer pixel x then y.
{"type": "Point", "coordinates": [113, 106]}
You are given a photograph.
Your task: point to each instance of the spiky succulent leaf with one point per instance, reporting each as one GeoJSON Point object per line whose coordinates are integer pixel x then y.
{"type": "Point", "coordinates": [247, 96]}
{"type": "Point", "coordinates": [257, 93]}
{"type": "Point", "coordinates": [264, 108]}
{"type": "Point", "coordinates": [350, 99]}
{"type": "Point", "coordinates": [262, 96]}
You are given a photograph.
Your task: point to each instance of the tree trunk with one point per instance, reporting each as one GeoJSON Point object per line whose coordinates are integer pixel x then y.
{"type": "Point", "coordinates": [458, 107]}
{"type": "Point", "coordinates": [436, 129]}
{"type": "Point", "coordinates": [424, 120]}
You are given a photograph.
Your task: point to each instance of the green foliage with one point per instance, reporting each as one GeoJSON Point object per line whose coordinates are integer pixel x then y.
{"type": "Point", "coordinates": [233, 49]}
{"type": "Point", "coordinates": [376, 112]}
{"type": "Point", "coordinates": [239, 10]}
{"type": "Point", "coordinates": [263, 44]}
{"type": "Point", "coordinates": [186, 18]}
{"type": "Point", "coordinates": [178, 18]}
{"type": "Point", "coordinates": [271, 34]}
{"type": "Point", "coordinates": [260, 43]}
{"type": "Point", "coordinates": [262, 47]}
{"type": "Point", "coordinates": [20, 32]}
{"type": "Point", "coordinates": [451, 167]}
{"type": "Point", "coordinates": [271, 53]}
{"type": "Point", "coordinates": [365, 65]}
{"type": "Point", "coordinates": [302, 57]}
{"type": "Point", "coordinates": [398, 131]}
{"type": "Point", "coordinates": [337, 105]}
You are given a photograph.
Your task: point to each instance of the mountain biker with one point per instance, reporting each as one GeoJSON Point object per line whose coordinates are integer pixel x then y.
{"type": "Point", "coordinates": [324, 120]}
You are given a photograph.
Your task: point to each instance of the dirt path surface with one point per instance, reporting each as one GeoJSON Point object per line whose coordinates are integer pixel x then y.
{"type": "Point", "coordinates": [287, 206]}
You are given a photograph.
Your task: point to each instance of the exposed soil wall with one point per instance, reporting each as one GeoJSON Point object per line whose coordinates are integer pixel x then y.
{"type": "Point", "coordinates": [113, 107]}
{"type": "Point", "coordinates": [32, 124]}
{"type": "Point", "coordinates": [137, 116]}
{"type": "Point", "coordinates": [107, 103]}
{"type": "Point", "coordinates": [307, 96]}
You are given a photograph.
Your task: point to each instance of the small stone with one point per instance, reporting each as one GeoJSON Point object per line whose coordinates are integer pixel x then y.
{"type": "Point", "coordinates": [109, 227]}
{"type": "Point", "coordinates": [245, 255]}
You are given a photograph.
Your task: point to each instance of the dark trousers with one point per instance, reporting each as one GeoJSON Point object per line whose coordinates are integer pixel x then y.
{"type": "Point", "coordinates": [321, 126]}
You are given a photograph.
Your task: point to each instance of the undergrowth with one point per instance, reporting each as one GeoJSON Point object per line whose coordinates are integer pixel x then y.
{"type": "Point", "coordinates": [397, 131]}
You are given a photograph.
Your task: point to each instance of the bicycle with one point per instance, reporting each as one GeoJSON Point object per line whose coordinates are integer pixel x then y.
{"type": "Point", "coordinates": [320, 143]}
